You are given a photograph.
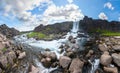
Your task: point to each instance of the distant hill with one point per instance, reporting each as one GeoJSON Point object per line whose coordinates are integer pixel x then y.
{"type": "Point", "coordinates": [91, 25]}
{"type": "Point", "coordinates": [8, 32]}
{"type": "Point", "coordinates": [57, 28]}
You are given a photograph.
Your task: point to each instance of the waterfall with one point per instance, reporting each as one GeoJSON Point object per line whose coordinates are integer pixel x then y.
{"type": "Point", "coordinates": [75, 27]}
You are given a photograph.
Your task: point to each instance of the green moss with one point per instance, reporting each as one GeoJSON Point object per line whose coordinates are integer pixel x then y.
{"type": "Point", "coordinates": [4, 49]}
{"type": "Point", "coordinates": [37, 35]}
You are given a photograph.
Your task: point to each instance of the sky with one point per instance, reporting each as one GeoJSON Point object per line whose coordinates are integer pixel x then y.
{"type": "Point", "coordinates": [25, 15]}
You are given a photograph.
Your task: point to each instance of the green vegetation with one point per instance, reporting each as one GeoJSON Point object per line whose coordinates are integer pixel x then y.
{"type": "Point", "coordinates": [4, 49]}
{"type": "Point", "coordinates": [108, 33]}
{"type": "Point", "coordinates": [37, 35]}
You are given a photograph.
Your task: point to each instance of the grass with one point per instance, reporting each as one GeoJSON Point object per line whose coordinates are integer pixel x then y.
{"type": "Point", "coordinates": [37, 35]}
{"type": "Point", "coordinates": [108, 33]}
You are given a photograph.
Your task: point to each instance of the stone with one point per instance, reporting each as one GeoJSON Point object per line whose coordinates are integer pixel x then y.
{"type": "Point", "coordinates": [111, 69]}
{"type": "Point", "coordinates": [103, 47]}
{"type": "Point", "coordinates": [22, 55]}
{"type": "Point", "coordinates": [3, 61]}
{"type": "Point", "coordinates": [89, 53]}
{"type": "Point", "coordinates": [64, 61]}
{"type": "Point", "coordinates": [53, 56]}
{"type": "Point", "coordinates": [116, 58]}
{"type": "Point", "coordinates": [1, 45]}
{"type": "Point", "coordinates": [116, 47]}
{"type": "Point", "coordinates": [73, 41]}
{"type": "Point", "coordinates": [70, 38]}
{"type": "Point", "coordinates": [34, 70]}
{"type": "Point", "coordinates": [76, 66]}
{"type": "Point", "coordinates": [105, 59]}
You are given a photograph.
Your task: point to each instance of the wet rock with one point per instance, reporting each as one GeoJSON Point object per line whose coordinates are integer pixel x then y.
{"type": "Point", "coordinates": [76, 66]}
{"type": "Point", "coordinates": [73, 41]}
{"type": "Point", "coordinates": [46, 62]}
{"type": "Point", "coordinates": [64, 61]}
{"type": "Point", "coordinates": [116, 47]}
{"type": "Point", "coordinates": [70, 38]}
{"type": "Point", "coordinates": [116, 58]}
{"type": "Point", "coordinates": [3, 61]}
{"type": "Point", "coordinates": [103, 47]}
{"type": "Point", "coordinates": [34, 70]}
{"type": "Point", "coordinates": [22, 55]}
{"type": "Point", "coordinates": [111, 69]}
{"type": "Point", "coordinates": [51, 55]}
{"type": "Point", "coordinates": [89, 53]}
{"type": "Point", "coordinates": [70, 54]}
{"type": "Point", "coordinates": [105, 59]}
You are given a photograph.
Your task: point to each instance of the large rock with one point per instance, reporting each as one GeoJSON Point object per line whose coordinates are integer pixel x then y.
{"type": "Point", "coordinates": [105, 59]}
{"type": "Point", "coordinates": [103, 47]}
{"type": "Point", "coordinates": [3, 61]}
{"type": "Point", "coordinates": [111, 69]}
{"type": "Point", "coordinates": [116, 47]}
{"type": "Point", "coordinates": [34, 70]}
{"type": "Point", "coordinates": [76, 66]}
{"type": "Point", "coordinates": [116, 58]}
{"type": "Point", "coordinates": [64, 61]}
{"type": "Point", "coordinates": [22, 55]}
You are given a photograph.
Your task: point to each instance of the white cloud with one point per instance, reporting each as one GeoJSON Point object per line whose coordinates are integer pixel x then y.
{"type": "Point", "coordinates": [70, 1]}
{"type": "Point", "coordinates": [118, 18]}
{"type": "Point", "coordinates": [20, 9]}
{"type": "Point", "coordinates": [102, 16]}
{"type": "Point", "coordinates": [69, 12]}
{"type": "Point", "coordinates": [109, 5]}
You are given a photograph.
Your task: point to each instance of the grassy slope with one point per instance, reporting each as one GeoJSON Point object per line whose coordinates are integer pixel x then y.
{"type": "Point", "coordinates": [37, 35]}
{"type": "Point", "coordinates": [108, 33]}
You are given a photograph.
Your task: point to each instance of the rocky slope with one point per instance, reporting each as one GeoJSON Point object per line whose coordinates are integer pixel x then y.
{"type": "Point", "coordinates": [8, 32]}
{"type": "Point", "coordinates": [10, 55]}
{"type": "Point", "coordinates": [55, 28]}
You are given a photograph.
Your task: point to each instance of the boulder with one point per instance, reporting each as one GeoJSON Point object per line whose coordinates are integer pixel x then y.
{"type": "Point", "coordinates": [116, 58]}
{"type": "Point", "coordinates": [3, 61]}
{"type": "Point", "coordinates": [105, 59]}
{"type": "Point", "coordinates": [116, 47]}
{"type": "Point", "coordinates": [64, 61]}
{"type": "Point", "coordinates": [111, 69]}
{"type": "Point", "coordinates": [103, 47]}
{"type": "Point", "coordinates": [70, 38]}
{"type": "Point", "coordinates": [22, 55]}
{"type": "Point", "coordinates": [34, 69]}
{"type": "Point", "coordinates": [76, 66]}
{"type": "Point", "coordinates": [46, 62]}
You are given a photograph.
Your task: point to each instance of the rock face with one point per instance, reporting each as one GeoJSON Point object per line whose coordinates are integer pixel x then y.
{"type": "Point", "coordinates": [91, 25]}
{"type": "Point", "coordinates": [116, 58]}
{"type": "Point", "coordinates": [76, 66]}
{"type": "Point", "coordinates": [8, 32]}
{"type": "Point", "coordinates": [105, 59]}
{"type": "Point", "coordinates": [64, 61]}
{"type": "Point", "coordinates": [55, 28]}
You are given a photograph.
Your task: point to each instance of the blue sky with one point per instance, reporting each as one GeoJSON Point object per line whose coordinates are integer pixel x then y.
{"type": "Point", "coordinates": [27, 14]}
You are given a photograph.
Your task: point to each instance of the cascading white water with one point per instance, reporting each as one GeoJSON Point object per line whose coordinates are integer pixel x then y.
{"type": "Point", "coordinates": [95, 65]}
{"type": "Point", "coordinates": [75, 28]}
{"type": "Point", "coordinates": [52, 45]}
